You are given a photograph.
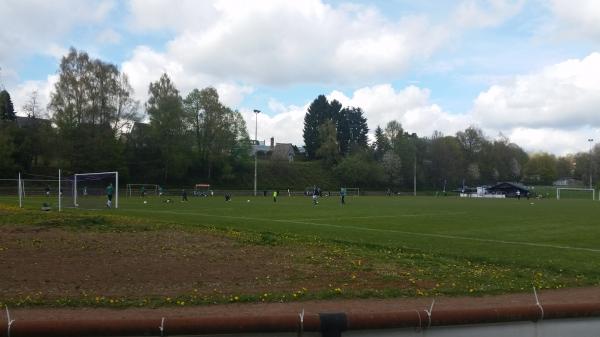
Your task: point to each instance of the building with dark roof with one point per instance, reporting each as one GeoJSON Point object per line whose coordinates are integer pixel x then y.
{"type": "Point", "coordinates": [283, 152]}
{"type": "Point", "coordinates": [26, 122]}
{"type": "Point", "coordinates": [509, 189]}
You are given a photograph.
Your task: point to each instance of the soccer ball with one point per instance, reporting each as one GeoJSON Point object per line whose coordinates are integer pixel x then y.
{"type": "Point", "coordinates": [145, 202]}
{"type": "Point", "coordinates": [248, 200]}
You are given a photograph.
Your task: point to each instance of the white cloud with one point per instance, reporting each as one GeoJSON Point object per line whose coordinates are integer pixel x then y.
{"type": "Point", "coordinates": [36, 26]}
{"type": "Point", "coordinates": [21, 95]}
{"type": "Point", "coordinates": [564, 95]}
{"type": "Point", "coordinates": [579, 18]}
{"type": "Point", "coordinates": [554, 110]}
{"type": "Point", "coordinates": [180, 15]}
{"type": "Point", "coordinates": [488, 13]}
{"type": "Point", "coordinates": [232, 94]}
{"type": "Point", "coordinates": [108, 36]}
{"type": "Point", "coordinates": [285, 127]}
{"type": "Point", "coordinates": [410, 106]}
{"type": "Point", "coordinates": [280, 42]}
{"type": "Point", "coordinates": [56, 51]}
{"type": "Point", "coordinates": [147, 66]}
{"type": "Point", "coordinates": [556, 141]}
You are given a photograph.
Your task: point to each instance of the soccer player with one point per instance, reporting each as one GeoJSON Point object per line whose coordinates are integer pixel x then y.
{"type": "Point", "coordinates": [184, 195]}
{"type": "Point", "coordinates": [143, 191]}
{"type": "Point", "coordinates": [343, 195]}
{"type": "Point", "coordinates": [109, 195]}
{"type": "Point", "coordinates": [275, 193]}
{"type": "Point", "coordinates": [315, 196]}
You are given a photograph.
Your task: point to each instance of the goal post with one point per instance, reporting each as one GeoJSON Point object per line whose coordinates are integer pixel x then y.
{"type": "Point", "coordinates": [89, 189]}
{"type": "Point", "coordinates": [575, 193]}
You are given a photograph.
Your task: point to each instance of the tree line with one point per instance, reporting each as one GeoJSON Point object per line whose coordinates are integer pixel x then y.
{"type": "Point", "coordinates": [397, 159]}
{"type": "Point", "coordinates": [96, 125]}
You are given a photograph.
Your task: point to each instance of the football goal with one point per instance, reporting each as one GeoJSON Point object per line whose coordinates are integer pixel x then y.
{"type": "Point", "coordinates": [40, 191]}
{"type": "Point", "coordinates": [353, 191]}
{"type": "Point", "coordinates": [202, 190]}
{"type": "Point", "coordinates": [39, 187]}
{"type": "Point", "coordinates": [90, 190]}
{"type": "Point", "coordinates": [575, 193]}
{"type": "Point", "coordinates": [141, 190]}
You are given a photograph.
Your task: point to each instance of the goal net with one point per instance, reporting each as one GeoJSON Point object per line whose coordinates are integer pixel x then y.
{"type": "Point", "coordinates": [31, 192]}
{"type": "Point", "coordinates": [353, 191]}
{"type": "Point", "coordinates": [575, 193]}
{"type": "Point", "coordinates": [141, 190]}
{"type": "Point", "coordinates": [90, 190]}
{"type": "Point", "coordinates": [9, 187]}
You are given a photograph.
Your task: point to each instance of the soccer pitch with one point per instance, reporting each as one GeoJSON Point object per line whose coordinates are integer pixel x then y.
{"type": "Point", "coordinates": [537, 233]}
{"type": "Point", "coordinates": [556, 235]}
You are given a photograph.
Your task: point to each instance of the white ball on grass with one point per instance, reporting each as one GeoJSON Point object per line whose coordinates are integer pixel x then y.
{"type": "Point", "coordinates": [248, 200]}
{"type": "Point", "coordinates": [145, 201]}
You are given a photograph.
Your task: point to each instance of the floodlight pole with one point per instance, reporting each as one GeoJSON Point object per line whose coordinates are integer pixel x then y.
{"type": "Point", "coordinates": [20, 191]}
{"type": "Point", "coordinates": [256, 112]}
{"type": "Point", "coordinates": [415, 177]}
{"type": "Point", "coordinates": [591, 161]}
{"type": "Point", "coordinates": [59, 194]}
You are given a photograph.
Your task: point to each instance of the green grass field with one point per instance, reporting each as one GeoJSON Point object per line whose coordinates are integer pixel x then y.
{"type": "Point", "coordinates": [501, 245]}
{"type": "Point", "coordinates": [561, 235]}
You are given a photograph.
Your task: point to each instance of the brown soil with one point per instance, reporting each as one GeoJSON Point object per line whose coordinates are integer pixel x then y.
{"type": "Point", "coordinates": [51, 263]}
{"type": "Point", "coordinates": [54, 263]}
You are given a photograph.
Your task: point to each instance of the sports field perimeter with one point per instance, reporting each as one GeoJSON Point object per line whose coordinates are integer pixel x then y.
{"type": "Point", "coordinates": [370, 247]}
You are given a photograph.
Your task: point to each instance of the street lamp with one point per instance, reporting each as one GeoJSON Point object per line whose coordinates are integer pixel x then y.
{"type": "Point", "coordinates": [590, 140]}
{"type": "Point", "coordinates": [256, 112]}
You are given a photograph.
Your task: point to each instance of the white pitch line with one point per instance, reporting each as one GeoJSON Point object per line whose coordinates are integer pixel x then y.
{"type": "Point", "coordinates": [444, 236]}
{"type": "Point", "coordinates": [381, 216]}
{"type": "Point", "coordinates": [353, 217]}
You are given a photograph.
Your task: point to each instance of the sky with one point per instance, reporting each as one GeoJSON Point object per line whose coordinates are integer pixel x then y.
{"type": "Point", "coordinates": [528, 70]}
